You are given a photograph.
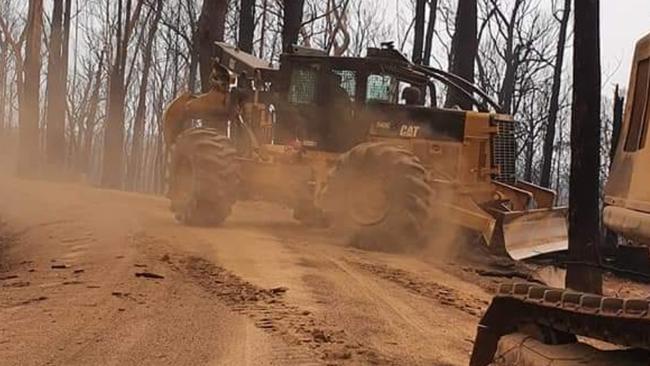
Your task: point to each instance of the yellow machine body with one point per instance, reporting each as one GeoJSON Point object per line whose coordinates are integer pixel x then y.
{"type": "Point", "coordinates": [627, 195]}
{"type": "Point", "coordinates": [472, 175]}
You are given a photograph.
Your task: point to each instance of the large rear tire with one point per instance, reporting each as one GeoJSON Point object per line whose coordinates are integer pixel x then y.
{"type": "Point", "coordinates": [204, 177]}
{"type": "Point", "coordinates": [378, 197]}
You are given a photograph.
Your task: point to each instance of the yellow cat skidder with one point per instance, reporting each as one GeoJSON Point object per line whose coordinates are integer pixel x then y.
{"type": "Point", "coordinates": [350, 142]}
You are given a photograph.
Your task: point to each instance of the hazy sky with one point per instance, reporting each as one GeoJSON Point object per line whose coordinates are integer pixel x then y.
{"type": "Point", "coordinates": [623, 22]}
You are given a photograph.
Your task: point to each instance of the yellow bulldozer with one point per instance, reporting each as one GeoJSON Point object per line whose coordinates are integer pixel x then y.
{"type": "Point", "coordinates": [358, 144]}
{"type": "Point", "coordinates": [532, 325]}
{"type": "Point", "coordinates": [627, 194]}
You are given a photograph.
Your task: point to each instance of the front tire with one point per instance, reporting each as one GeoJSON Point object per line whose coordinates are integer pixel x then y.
{"type": "Point", "coordinates": [378, 197]}
{"type": "Point", "coordinates": [310, 216]}
{"type": "Point", "coordinates": [204, 177]}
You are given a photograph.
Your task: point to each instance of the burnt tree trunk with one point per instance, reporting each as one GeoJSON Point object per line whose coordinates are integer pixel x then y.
{"type": "Point", "coordinates": [112, 167]}
{"type": "Point", "coordinates": [431, 29]}
{"type": "Point", "coordinates": [29, 92]}
{"type": "Point", "coordinates": [90, 119]}
{"type": "Point", "coordinates": [512, 60]}
{"type": "Point", "coordinates": [83, 118]}
{"type": "Point", "coordinates": [65, 61]}
{"type": "Point", "coordinates": [56, 92]}
{"type": "Point", "coordinates": [418, 40]}
{"type": "Point", "coordinates": [530, 152]}
{"type": "Point", "coordinates": [193, 47]}
{"type": "Point", "coordinates": [265, 6]}
{"type": "Point", "coordinates": [584, 211]}
{"type": "Point", "coordinates": [464, 48]}
{"type": "Point", "coordinates": [549, 138]}
{"type": "Point", "coordinates": [65, 53]}
{"type": "Point", "coordinates": [246, 25]}
{"type": "Point", "coordinates": [292, 22]}
{"type": "Point", "coordinates": [612, 238]}
{"type": "Point", "coordinates": [3, 82]}
{"type": "Point", "coordinates": [211, 28]}
{"type": "Point", "coordinates": [134, 168]}
{"type": "Point", "coordinates": [428, 46]}
{"type": "Point", "coordinates": [617, 123]}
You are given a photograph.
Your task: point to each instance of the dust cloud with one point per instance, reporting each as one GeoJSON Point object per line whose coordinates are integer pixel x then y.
{"type": "Point", "coordinates": [448, 240]}
{"type": "Point", "coordinates": [8, 151]}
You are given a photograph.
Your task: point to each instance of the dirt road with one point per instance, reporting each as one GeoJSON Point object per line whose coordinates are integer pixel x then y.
{"type": "Point", "coordinates": [104, 277]}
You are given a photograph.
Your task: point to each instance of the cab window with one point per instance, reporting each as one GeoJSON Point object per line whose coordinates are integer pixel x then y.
{"type": "Point", "coordinates": [348, 82]}
{"type": "Point", "coordinates": [382, 88]}
{"type": "Point", "coordinates": [638, 128]}
{"type": "Point", "coordinates": [304, 83]}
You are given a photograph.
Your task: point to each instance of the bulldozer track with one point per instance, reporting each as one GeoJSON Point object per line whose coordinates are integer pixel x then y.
{"type": "Point", "coordinates": [620, 321]}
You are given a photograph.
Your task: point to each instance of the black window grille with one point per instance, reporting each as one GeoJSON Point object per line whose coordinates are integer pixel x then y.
{"type": "Point", "coordinates": [304, 82]}
{"type": "Point", "coordinates": [348, 82]}
{"type": "Point", "coordinates": [382, 88]}
{"type": "Point", "coordinates": [504, 149]}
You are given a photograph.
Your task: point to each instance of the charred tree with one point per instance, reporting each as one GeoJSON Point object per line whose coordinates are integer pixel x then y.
{"type": "Point", "coordinates": [112, 167]}
{"type": "Point", "coordinates": [617, 122]}
{"type": "Point", "coordinates": [65, 60]}
{"type": "Point", "coordinates": [292, 22]}
{"type": "Point", "coordinates": [337, 29]}
{"type": "Point", "coordinates": [114, 128]}
{"type": "Point", "coordinates": [431, 28]}
{"type": "Point", "coordinates": [65, 53]}
{"type": "Point", "coordinates": [191, 40]}
{"type": "Point", "coordinates": [56, 92]}
{"type": "Point", "coordinates": [135, 159]}
{"type": "Point", "coordinates": [584, 185]}
{"type": "Point", "coordinates": [29, 92]}
{"type": "Point", "coordinates": [211, 28]}
{"type": "Point", "coordinates": [265, 8]}
{"type": "Point", "coordinates": [612, 238]}
{"type": "Point", "coordinates": [90, 119]}
{"type": "Point", "coordinates": [246, 25]}
{"type": "Point", "coordinates": [554, 107]}
{"type": "Point", "coordinates": [4, 47]}
{"type": "Point", "coordinates": [464, 48]}
{"type": "Point", "coordinates": [511, 57]}
{"type": "Point", "coordinates": [418, 40]}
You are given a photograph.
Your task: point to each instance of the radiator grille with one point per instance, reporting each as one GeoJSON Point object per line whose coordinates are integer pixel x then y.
{"type": "Point", "coordinates": [504, 149]}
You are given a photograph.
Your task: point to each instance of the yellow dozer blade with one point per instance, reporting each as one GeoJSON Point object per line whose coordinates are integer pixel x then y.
{"type": "Point", "coordinates": [527, 234]}
{"type": "Point", "coordinates": [516, 234]}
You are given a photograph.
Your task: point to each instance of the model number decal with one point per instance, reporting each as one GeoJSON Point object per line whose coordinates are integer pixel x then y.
{"type": "Point", "coordinates": [383, 125]}
{"type": "Point", "coordinates": [409, 131]}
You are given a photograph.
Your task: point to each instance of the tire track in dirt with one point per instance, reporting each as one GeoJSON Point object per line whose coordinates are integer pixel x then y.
{"type": "Point", "coordinates": [309, 339]}
{"type": "Point", "coordinates": [442, 294]}
{"type": "Point", "coordinates": [396, 320]}
{"type": "Point", "coordinates": [271, 313]}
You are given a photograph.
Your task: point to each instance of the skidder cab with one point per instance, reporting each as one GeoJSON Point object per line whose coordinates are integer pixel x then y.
{"type": "Point", "coordinates": [356, 143]}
